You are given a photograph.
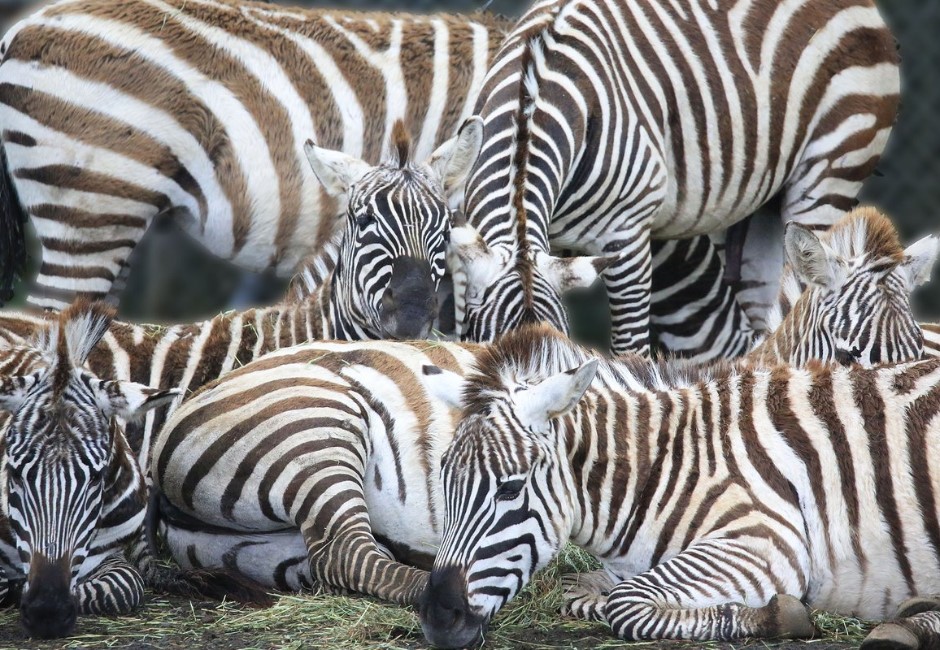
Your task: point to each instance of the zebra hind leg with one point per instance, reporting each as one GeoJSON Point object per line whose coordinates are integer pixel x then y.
{"type": "Point", "coordinates": [629, 289]}
{"type": "Point", "coordinates": [917, 625]}
{"type": "Point", "coordinates": [698, 595]}
{"type": "Point", "coordinates": [586, 594]}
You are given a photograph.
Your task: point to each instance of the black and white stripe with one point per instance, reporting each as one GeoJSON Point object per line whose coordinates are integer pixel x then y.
{"type": "Point", "coordinates": [612, 123]}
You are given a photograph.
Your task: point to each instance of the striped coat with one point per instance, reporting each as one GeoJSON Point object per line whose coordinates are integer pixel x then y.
{"type": "Point", "coordinates": [115, 112]}
{"type": "Point", "coordinates": [609, 123]}
{"type": "Point", "coordinates": [715, 508]}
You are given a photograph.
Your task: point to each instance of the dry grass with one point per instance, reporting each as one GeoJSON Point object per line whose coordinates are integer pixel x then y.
{"type": "Point", "coordinates": [320, 621]}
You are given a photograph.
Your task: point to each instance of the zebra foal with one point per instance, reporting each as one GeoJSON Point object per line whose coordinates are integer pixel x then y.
{"type": "Point", "coordinates": [116, 111]}
{"type": "Point", "coordinates": [73, 493]}
{"type": "Point", "coordinates": [715, 507]}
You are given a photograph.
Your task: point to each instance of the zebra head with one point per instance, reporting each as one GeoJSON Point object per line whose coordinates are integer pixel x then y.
{"type": "Point", "coordinates": [854, 285]}
{"type": "Point", "coordinates": [66, 468]}
{"type": "Point", "coordinates": [392, 256]}
{"type": "Point", "coordinates": [506, 489]}
{"type": "Point", "coordinates": [505, 288]}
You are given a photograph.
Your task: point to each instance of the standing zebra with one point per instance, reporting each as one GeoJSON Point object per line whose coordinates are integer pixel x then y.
{"type": "Point", "coordinates": [115, 112]}
{"type": "Point", "coordinates": [611, 123]}
{"type": "Point", "coordinates": [845, 295]}
{"type": "Point", "coordinates": [714, 508]}
{"type": "Point", "coordinates": [73, 494]}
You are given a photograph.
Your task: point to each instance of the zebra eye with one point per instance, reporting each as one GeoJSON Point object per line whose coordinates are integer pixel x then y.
{"type": "Point", "coordinates": [365, 219]}
{"type": "Point", "coordinates": [509, 490]}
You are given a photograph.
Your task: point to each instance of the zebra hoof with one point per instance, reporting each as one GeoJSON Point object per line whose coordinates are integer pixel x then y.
{"type": "Point", "coordinates": [913, 606]}
{"type": "Point", "coordinates": [890, 636]}
{"type": "Point", "coordinates": [793, 620]}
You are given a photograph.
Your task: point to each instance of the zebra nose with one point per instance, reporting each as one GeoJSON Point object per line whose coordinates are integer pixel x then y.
{"type": "Point", "coordinates": [409, 302]}
{"type": "Point", "coordinates": [446, 619]}
{"type": "Point", "coordinates": [48, 610]}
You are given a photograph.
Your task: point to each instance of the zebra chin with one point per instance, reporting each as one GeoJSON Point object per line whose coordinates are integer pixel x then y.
{"type": "Point", "coordinates": [446, 618]}
{"type": "Point", "coordinates": [48, 609]}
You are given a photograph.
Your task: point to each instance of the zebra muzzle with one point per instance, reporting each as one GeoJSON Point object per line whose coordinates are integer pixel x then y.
{"type": "Point", "coordinates": [47, 608]}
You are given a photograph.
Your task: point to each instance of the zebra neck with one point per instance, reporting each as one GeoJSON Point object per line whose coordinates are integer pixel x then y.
{"type": "Point", "coordinates": [622, 445]}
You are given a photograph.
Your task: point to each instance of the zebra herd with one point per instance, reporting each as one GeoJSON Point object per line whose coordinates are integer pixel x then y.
{"type": "Point", "coordinates": [784, 463]}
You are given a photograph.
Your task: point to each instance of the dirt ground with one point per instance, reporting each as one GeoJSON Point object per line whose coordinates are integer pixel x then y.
{"type": "Point", "coordinates": [178, 624]}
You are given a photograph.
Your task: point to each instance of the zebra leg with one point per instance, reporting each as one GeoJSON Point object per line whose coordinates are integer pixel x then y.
{"type": "Point", "coordinates": [699, 595]}
{"type": "Point", "coordinates": [586, 594]}
{"type": "Point", "coordinates": [629, 286]}
{"type": "Point", "coordinates": [694, 312]}
{"type": "Point", "coordinates": [920, 631]}
{"type": "Point", "coordinates": [114, 588]}
{"type": "Point", "coordinates": [343, 552]}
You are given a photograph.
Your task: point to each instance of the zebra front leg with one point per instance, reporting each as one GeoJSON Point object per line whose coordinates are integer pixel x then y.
{"type": "Point", "coordinates": [629, 286]}
{"type": "Point", "coordinates": [114, 588]}
{"type": "Point", "coordinates": [342, 550]}
{"type": "Point", "coordinates": [699, 595]}
{"type": "Point", "coordinates": [917, 626]}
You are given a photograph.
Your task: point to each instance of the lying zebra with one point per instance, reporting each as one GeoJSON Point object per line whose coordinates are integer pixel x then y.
{"type": "Point", "coordinates": [717, 509]}
{"type": "Point", "coordinates": [62, 447]}
{"type": "Point", "coordinates": [845, 294]}
{"type": "Point", "coordinates": [318, 463]}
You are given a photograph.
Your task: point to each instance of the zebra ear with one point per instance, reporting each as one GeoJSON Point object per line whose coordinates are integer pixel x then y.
{"type": "Point", "coordinates": [812, 261]}
{"type": "Point", "coordinates": [555, 396]}
{"type": "Point", "coordinates": [444, 385]}
{"type": "Point", "coordinates": [335, 170]}
{"type": "Point", "coordinates": [129, 400]}
{"type": "Point", "coordinates": [13, 391]}
{"type": "Point", "coordinates": [452, 161]}
{"type": "Point", "coordinates": [565, 273]}
{"type": "Point", "coordinates": [919, 259]}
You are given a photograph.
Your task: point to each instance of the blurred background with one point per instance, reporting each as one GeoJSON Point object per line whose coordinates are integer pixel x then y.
{"type": "Point", "coordinates": [174, 280]}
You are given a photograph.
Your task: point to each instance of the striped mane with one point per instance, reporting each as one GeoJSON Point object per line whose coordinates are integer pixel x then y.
{"type": "Point", "coordinates": [536, 351]}
{"type": "Point", "coordinates": [528, 93]}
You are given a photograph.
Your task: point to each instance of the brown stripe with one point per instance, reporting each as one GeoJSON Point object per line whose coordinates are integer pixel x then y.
{"type": "Point", "coordinates": [83, 272]}
{"type": "Point", "coordinates": [82, 219]}
{"type": "Point", "coordinates": [98, 130]}
{"type": "Point", "coordinates": [821, 399]}
{"type": "Point", "coordinates": [871, 408]}
{"type": "Point", "coordinates": [76, 178]}
{"type": "Point", "coordinates": [18, 137]}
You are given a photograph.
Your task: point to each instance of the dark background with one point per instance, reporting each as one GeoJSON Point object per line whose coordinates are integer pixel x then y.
{"type": "Point", "coordinates": [175, 280]}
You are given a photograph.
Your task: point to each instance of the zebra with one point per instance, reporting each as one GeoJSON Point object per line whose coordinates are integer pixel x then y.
{"type": "Point", "coordinates": [314, 465]}
{"type": "Point", "coordinates": [242, 464]}
{"type": "Point", "coordinates": [117, 113]}
{"type": "Point", "coordinates": [719, 117]}
{"type": "Point", "coordinates": [845, 295]}
{"type": "Point", "coordinates": [717, 509]}
{"type": "Point", "coordinates": [62, 447]}
{"type": "Point", "coordinates": [333, 400]}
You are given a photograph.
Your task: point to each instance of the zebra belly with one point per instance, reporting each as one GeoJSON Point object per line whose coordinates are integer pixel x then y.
{"type": "Point", "coordinates": [277, 560]}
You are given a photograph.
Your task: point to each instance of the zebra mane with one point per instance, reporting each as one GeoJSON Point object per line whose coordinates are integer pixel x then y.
{"type": "Point", "coordinates": [534, 352]}
{"type": "Point", "coordinates": [528, 95]}
{"type": "Point", "coordinates": [865, 232]}
{"type": "Point", "coordinates": [401, 144]}
{"type": "Point", "coordinates": [315, 270]}
{"type": "Point", "coordinates": [66, 343]}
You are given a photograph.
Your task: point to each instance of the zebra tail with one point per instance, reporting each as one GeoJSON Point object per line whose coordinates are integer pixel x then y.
{"type": "Point", "coordinates": [211, 584]}
{"type": "Point", "coordinates": [12, 233]}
